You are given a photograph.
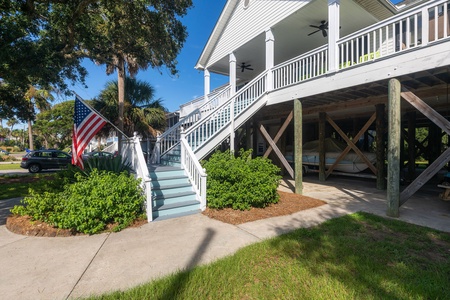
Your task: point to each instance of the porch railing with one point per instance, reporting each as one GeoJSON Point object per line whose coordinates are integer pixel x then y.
{"type": "Point", "coordinates": [195, 172]}
{"type": "Point", "coordinates": [171, 137]}
{"type": "Point", "coordinates": [417, 27]}
{"type": "Point", "coordinates": [132, 152]}
{"type": "Point", "coordinates": [301, 68]}
{"type": "Point", "coordinates": [198, 134]}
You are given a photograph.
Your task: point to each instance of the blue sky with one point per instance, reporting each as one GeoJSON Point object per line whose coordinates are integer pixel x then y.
{"type": "Point", "coordinates": [188, 84]}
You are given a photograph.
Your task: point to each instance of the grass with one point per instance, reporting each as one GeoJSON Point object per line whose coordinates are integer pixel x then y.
{"type": "Point", "coordinates": [16, 189]}
{"type": "Point", "coordinates": [11, 166]}
{"type": "Point", "coordinates": [359, 256]}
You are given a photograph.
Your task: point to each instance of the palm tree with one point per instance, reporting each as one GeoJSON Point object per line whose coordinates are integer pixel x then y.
{"type": "Point", "coordinates": [37, 98]}
{"type": "Point", "coordinates": [11, 122]}
{"type": "Point", "coordinates": [142, 113]}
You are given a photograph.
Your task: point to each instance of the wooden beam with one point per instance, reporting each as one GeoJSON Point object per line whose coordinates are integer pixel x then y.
{"type": "Point", "coordinates": [280, 133]}
{"type": "Point", "coordinates": [380, 152]}
{"type": "Point", "coordinates": [424, 108]}
{"type": "Point", "coordinates": [322, 171]}
{"type": "Point", "coordinates": [345, 105]}
{"type": "Point", "coordinates": [428, 173]}
{"type": "Point", "coordinates": [351, 144]}
{"type": "Point", "coordinates": [394, 132]}
{"type": "Point", "coordinates": [276, 150]}
{"type": "Point", "coordinates": [298, 146]}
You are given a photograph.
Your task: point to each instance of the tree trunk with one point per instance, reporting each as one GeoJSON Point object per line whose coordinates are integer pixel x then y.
{"type": "Point", "coordinates": [121, 90]}
{"type": "Point", "coordinates": [30, 135]}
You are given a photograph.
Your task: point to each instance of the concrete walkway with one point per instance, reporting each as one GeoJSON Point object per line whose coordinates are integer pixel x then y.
{"type": "Point", "coordinates": [62, 268]}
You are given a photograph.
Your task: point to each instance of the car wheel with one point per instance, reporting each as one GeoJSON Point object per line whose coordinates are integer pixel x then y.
{"type": "Point", "coordinates": [34, 168]}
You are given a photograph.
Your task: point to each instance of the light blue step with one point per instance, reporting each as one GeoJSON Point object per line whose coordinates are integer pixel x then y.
{"type": "Point", "coordinates": [178, 215]}
{"type": "Point", "coordinates": [174, 198]}
{"type": "Point", "coordinates": [176, 208]}
{"type": "Point", "coordinates": [168, 191]}
{"type": "Point", "coordinates": [174, 180]}
{"type": "Point", "coordinates": [166, 162]}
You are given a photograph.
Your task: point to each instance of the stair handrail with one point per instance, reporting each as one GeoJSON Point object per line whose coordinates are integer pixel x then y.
{"type": "Point", "coordinates": [196, 173]}
{"type": "Point", "coordinates": [260, 81]}
{"type": "Point", "coordinates": [170, 138]}
{"type": "Point", "coordinates": [132, 152]}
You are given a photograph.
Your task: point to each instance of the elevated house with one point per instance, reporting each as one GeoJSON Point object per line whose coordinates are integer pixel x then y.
{"type": "Point", "coordinates": [302, 70]}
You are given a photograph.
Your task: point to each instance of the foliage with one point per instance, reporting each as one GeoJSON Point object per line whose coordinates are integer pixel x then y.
{"type": "Point", "coordinates": [142, 113]}
{"type": "Point", "coordinates": [89, 204]}
{"type": "Point", "coordinates": [116, 164]}
{"type": "Point", "coordinates": [241, 182]}
{"type": "Point", "coordinates": [55, 125]}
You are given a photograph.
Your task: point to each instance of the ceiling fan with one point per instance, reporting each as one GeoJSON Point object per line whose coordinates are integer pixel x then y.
{"type": "Point", "coordinates": [245, 67]}
{"type": "Point", "coordinates": [322, 27]}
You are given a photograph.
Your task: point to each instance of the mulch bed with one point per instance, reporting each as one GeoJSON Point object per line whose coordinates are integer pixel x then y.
{"type": "Point", "coordinates": [289, 203]}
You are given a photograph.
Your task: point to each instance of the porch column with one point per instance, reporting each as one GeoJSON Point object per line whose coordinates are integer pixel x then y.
{"type": "Point", "coordinates": [207, 83]}
{"type": "Point", "coordinates": [333, 34]}
{"type": "Point", "coordinates": [298, 146]}
{"type": "Point", "coordinates": [393, 157]}
{"type": "Point", "coordinates": [232, 92]}
{"type": "Point", "coordinates": [270, 53]}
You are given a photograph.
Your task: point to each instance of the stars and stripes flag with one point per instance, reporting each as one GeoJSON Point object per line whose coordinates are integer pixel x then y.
{"type": "Point", "coordinates": [86, 125]}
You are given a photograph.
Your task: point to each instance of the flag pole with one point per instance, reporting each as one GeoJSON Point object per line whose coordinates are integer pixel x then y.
{"type": "Point", "coordinates": [115, 127]}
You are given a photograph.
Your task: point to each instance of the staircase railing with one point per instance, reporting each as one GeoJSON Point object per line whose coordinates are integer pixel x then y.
{"type": "Point", "coordinates": [132, 152]}
{"type": "Point", "coordinates": [232, 109]}
{"type": "Point", "coordinates": [171, 137]}
{"type": "Point", "coordinates": [195, 172]}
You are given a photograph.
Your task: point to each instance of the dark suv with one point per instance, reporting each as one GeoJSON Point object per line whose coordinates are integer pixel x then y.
{"type": "Point", "coordinates": [38, 160]}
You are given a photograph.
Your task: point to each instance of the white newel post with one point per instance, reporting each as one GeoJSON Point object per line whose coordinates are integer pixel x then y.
{"type": "Point", "coordinates": [425, 26]}
{"type": "Point", "coordinates": [207, 84]}
{"type": "Point", "coordinates": [158, 150]}
{"type": "Point", "coordinates": [232, 93]}
{"type": "Point", "coordinates": [270, 53]}
{"type": "Point", "coordinates": [203, 190]}
{"type": "Point", "coordinates": [333, 34]}
{"type": "Point", "coordinates": [182, 150]}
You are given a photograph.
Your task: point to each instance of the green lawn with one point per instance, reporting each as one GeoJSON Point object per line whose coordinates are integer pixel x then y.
{"type": "Point", "coordinates": [359, 256]}
{"type": "Point", "coordinates": [14, 166]}
{"type": "Point", "coordinates": [16, 185]}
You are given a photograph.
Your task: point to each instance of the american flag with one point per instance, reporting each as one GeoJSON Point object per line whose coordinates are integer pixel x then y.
{"type": "Point", "coordinates": [86, 125]}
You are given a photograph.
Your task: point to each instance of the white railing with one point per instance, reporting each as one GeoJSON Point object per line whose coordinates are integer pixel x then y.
{"type": "Point", "coordinates": [170, 138]}
{"type": "Point", "coordinates": [132, 152]}
{"type": "Point", "coordinates": [414, 28]}
{"type": "Point", "coordinates": [195, 172]}
{"type": "Point", "coordinates": [417, 27]}
{"type": "Point", "coordinates": [198, 134]}
{"type": "Point", "coordinates": [301, 68]}
{"type": "Point", "coordinates": [190, 106]}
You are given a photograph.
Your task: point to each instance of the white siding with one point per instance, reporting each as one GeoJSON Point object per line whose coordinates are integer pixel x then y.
{"type": "Point", "coordinates": [246, 24]}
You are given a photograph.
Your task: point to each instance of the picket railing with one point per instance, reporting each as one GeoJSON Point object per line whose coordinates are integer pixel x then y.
{"type": "Point", "coordinates": [222, 117]}
{"type": "Point", "coordinates": [195, 172]}
{"type": "Point", "coordinates": [306, 66]}
{"type": "Point", "coordinates": [132, 152]}
{"type": "Point", "coordinates": [171, 137]}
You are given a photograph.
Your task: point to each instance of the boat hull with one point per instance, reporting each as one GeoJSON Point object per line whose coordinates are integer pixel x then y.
{"type": "Point", "coordinates": [351, 163]}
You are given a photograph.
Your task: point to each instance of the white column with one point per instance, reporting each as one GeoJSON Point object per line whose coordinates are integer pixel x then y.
{"type": "Point", "coordinates": [333, 34]}
{"type": "Point", "coordinates": [232, 93]}
{"type": "Point", "coordinates": [270, 57]}
{"type": "Point", "coordinates": [207, 84]}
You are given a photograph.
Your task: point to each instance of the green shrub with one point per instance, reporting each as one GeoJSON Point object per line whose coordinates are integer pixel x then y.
{"type": "Point", "coordinates": [116, 164]}
{"type": "Point", "coordinates": [89, 204]}
{"type": "Point", "coordinates": [241, 182]}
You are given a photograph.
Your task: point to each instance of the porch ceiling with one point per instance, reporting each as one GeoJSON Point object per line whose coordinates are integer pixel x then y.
{"type": "Point", "coordinates": [359, 101]}
{"type": "Point", "coordinates": [291, 36]}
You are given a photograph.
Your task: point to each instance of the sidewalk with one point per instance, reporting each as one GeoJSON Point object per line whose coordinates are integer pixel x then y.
{"type": "Point", "coordinates": [61, 268]}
